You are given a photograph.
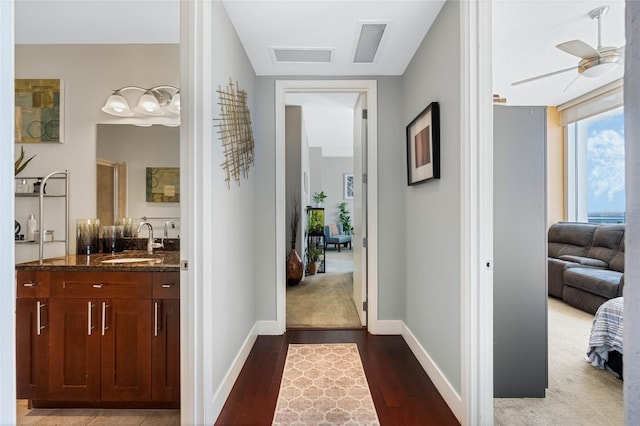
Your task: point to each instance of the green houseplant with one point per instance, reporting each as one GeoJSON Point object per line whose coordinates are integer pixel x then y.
{"type": "Point", "coordinates": [313, 254]}
{"type": "Point", "coordinates": [319, 198]}
{"type": "Point", "coordinates": [345, 218]}
{"type": "Point", "coordinates": [21, 163]}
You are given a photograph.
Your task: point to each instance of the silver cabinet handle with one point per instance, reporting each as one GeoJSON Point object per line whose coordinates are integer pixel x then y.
{"type": "Point", "coordinates": [155, 318]}
{"type": "Point", "coordinates": [167, 285]}
{"type": "Point", "coordinates": [104, 317]}
{"type": "Point", "coordinates": [39, 325]}
{"type": "Point", "coordinates": [90, 318]}
{"type": "Point", "coordinates": [98, 285]}
{"type": "Point", "coordinates": [30, 284]}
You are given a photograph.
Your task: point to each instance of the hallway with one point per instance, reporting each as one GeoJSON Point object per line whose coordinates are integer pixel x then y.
{"type": "Point", "coordinates": [401, 391]}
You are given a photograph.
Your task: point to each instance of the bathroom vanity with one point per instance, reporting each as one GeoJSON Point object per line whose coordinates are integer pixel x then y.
{"type": "Point", "coordinates": [99, 331]}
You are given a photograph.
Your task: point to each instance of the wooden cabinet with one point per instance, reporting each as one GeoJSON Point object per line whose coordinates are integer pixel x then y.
{"type": "Point", "coordinates": [165, 344]}
{"type": "Point", "coordinates": [32, 334]}
{"type": "Point", "coordinates": [111, 339]}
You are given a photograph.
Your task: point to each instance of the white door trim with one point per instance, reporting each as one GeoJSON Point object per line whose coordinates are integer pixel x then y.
{"type": "Point", "coordinates": [7, 261]}
{"type": "Point", "coordinates": [362, 86]}
{"type": "Point", "coordinates": [477, 212]}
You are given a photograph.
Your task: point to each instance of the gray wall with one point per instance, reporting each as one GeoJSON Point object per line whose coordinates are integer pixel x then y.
{"type": "Point", "coordinates": [632, 234]}
{"type": "Point", "coordinates": [390, 169]}
{"type": "Point", "coordinates": [233, 253]}
{"type": "Point", "coordinates": [520, 252]}
{"type": "Point", "coordinates": [432, 211]}
{"type": "Point", "coordinates": [294, 134]}
{"type": "Point", "coordinates": [333, 169]}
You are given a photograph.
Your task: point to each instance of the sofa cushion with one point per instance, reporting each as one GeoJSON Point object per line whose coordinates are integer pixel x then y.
{"type": "Point", "coordinates": [585, 261]}
{"type": "Point", "coordinates": [617, 263]}
{"type": "Point", "coordinates": [606, 242]}
{"type": "Point", "coordinates": [334, 229]}
{"type": "Point", "coordinates": [603, 282]}
{"type": "Point", "coordinates": [566, 238]}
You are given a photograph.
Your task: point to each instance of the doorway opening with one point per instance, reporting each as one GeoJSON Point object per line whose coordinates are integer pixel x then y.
{"type": "Point", "coordinates": [324, 148]}
{"type": "Point", "coordinates": [363, 179]}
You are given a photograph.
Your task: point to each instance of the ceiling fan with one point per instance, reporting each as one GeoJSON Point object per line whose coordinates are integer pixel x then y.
{"type": "Point", "coordinates": [593, 62]}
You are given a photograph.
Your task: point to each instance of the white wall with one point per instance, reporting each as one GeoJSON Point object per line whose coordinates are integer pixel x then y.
{"type": "Point", "coordinates": [142, 147]}
{"type": "Point", "coordinates": [315, 172]}
{"type": "Point", "coordinates": [331, 128]}
{"type": "Point", "coordinates": [234, 251]}
{"type": "Point", "coordinates": [432, 212]}
{"type": "Point", "coordinates": [632, 180]}
{"type": "Point", "coordinates": [333, 170]}
{"type": "Point", "coordinates": [89, 73]}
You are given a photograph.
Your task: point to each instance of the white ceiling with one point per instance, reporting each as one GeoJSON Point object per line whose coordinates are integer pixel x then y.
{"type": "Point", "coordinates": [525, 34]}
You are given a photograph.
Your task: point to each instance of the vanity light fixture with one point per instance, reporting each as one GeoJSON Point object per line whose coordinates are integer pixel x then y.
{"type": "Point", "coordinates": [156, 101]}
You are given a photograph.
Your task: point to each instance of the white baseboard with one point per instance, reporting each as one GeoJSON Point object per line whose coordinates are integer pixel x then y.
{"type": "Point", "coordinates": [449, 394]}
{"type": "Point", "coordinates": [223, 391]}
{"type": "Point", "coordinates": [389, 327]}
{"type": "Point", "coordinates": [269, 328]}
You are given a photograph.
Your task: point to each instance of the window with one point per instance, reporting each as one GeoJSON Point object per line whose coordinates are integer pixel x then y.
{"type": "Point", "coordinates": [595, 168]}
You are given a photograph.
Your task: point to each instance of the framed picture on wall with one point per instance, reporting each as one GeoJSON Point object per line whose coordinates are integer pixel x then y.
{"type": "Point", "coordinates": [348, 186]}
{"type": "Point", "coordinates": [423, 146]}
{"type": "Point", "coordinates": [39, 106]}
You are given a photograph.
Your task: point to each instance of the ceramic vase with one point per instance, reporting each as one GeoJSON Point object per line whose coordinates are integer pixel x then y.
{"type": "Point", "coordinates": [294, 268]}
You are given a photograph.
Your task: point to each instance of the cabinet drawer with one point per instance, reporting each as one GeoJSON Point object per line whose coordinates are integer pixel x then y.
{"type": "Point", "coordinates": [32, 284]}
{"type": "Point", "coordinates": [121, 285]}
{"type": "Point", "coordinates": [166, 285]}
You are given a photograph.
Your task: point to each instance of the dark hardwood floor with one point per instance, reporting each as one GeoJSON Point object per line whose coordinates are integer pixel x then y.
{"type": "Point", "coordinates": [401, 390]}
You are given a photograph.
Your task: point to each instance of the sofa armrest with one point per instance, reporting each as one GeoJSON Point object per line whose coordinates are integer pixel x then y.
{"type": "Point", "coordinates": [585, 261]}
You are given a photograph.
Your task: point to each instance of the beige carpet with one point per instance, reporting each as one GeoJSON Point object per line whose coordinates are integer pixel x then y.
{"type": "Point", "coordinates": [325, 300]}
{"type": "Point", "coordinates": [578, 393]}
{"type": "Point", "coordinates": [324, 385]}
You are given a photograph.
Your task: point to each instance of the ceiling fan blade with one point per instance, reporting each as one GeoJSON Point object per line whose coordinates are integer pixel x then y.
{"type": "Point", "coordinates": [527, 80]}
{"type": "Point", "coordinates": [578, 48]}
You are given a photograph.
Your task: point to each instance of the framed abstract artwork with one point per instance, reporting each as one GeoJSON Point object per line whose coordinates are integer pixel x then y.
{"type": "Point", "coordinates": [163, 184]}
{"type": "Point", "coordinates": [347, 186]}
{"type": "Point", "coordinates": [39, 106]}
{"type": "Point", "coordinates": [423, 146]}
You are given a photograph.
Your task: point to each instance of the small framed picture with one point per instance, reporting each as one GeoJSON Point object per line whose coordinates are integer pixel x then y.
{"type": "Point", "coordinates": [348, 186]}
{"type": "Point", "coordinates": [423, 146]}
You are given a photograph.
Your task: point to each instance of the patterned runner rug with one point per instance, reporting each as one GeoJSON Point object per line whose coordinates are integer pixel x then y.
{"type": "Point", "coordinates": [324, 384]}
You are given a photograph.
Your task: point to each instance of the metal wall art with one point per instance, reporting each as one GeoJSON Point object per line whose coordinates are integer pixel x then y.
{"type": "Point", "coordinates": [235, 132]}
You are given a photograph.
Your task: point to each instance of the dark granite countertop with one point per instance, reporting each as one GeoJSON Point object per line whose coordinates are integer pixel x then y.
{"type": "Point", "coordinates": [161, 261]}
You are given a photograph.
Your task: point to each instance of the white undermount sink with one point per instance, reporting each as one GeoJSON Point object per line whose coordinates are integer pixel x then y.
{"type": "Point", "coordinates": [131, 260]}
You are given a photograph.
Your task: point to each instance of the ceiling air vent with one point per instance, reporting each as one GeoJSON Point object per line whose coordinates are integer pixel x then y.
{"type": "Point", "coordinates": [369, 42]}
{"type": "Point", "coordinates": [301, 54]}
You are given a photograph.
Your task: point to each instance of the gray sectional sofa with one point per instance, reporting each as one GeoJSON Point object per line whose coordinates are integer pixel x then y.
{"type": "Point", "coordinates": [586, 263]}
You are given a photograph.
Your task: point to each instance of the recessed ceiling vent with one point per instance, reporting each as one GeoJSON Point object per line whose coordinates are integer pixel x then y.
{"type": "Point", "coordinates": [369, 42]}
{"type": "Point", "coordinates": [301, 54]}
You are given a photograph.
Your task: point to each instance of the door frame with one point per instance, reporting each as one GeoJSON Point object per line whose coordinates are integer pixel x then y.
{"type": "Point", "coordinates": [369, 87]}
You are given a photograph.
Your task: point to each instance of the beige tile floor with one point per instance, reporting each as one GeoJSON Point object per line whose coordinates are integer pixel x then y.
{"type": "Point", "coordinates": [85, 416]}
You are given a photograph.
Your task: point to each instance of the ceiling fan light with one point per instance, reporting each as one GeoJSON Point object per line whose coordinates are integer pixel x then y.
{"type": "Point", "coordinates": [599, 70]}
{"type": "Point", "coordinates": [148, 104]}
{"type": "Point", "coordinates": [174, 105]}
{"type": "Point", "coordinates": [117, 105]}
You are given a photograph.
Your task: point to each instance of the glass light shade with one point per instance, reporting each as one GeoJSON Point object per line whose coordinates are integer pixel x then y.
{"type": "Point", "coordinates": [117, 105]}
{"type": "Point", "coordinates": [149, 105]}
{"type": "Point", "coordinates": [174, 105]}
{"type": "Point", "coordinates": [600, 69]}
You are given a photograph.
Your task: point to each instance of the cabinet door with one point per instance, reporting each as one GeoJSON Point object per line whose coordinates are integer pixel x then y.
{"type": "Point", "coordinates": [74, 353]}
{"type": "Point", "coordinates": [165, 347]}
{"type": "Point", "coordinates": [126, 350]}
{"type": "Point", "coordinates": [32, 346]}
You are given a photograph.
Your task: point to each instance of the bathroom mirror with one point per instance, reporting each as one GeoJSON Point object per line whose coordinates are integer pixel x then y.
{"type": "Point", "coordinates": [123, 153]}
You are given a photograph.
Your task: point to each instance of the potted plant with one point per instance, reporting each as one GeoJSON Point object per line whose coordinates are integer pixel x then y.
{"type": "Point", "coordinates": [319, 197]}
{"type": "Point", "coordinates": [345, 218]}
{"type": "Point", "coordinates": [21, 163]}
{"type": "Point", "coordinates": [294, 263]}
{"type": "Point", "coordinates": [313, 254]}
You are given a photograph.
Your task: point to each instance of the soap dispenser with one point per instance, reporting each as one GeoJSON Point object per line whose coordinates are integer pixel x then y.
{"type": "Point", "coordinates": [31, 227]}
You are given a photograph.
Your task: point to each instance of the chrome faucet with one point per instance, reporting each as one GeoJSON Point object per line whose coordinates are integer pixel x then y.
{"type": "Point", "coordinates": [168, 224]}
{"type": "Point", "coordinates": [150, 243]}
